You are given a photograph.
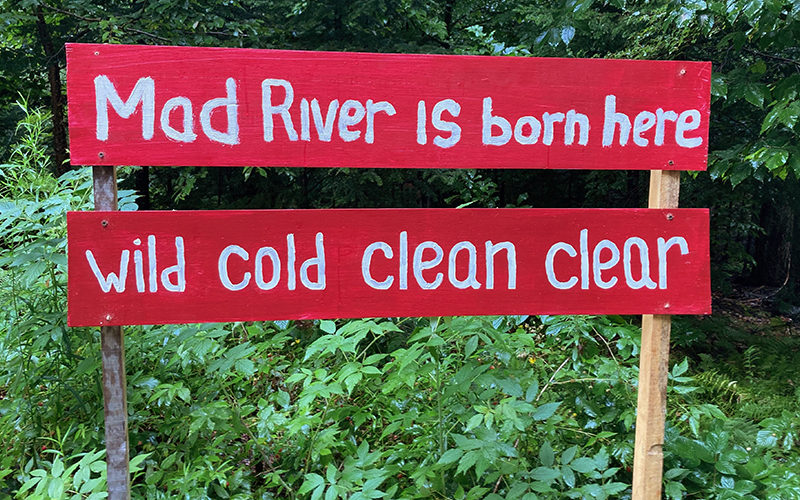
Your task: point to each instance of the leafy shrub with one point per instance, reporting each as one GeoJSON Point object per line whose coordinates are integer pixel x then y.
{"type": "Point", "coordinates": [464, 407]}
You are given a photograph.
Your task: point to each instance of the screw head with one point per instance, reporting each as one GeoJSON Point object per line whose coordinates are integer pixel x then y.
{"type": "Point", "coordinates": [101, 155]}
{"type": "Point", "coordinates": [104, 223]}
{"type": "Point", "coordinates": [670, 216]}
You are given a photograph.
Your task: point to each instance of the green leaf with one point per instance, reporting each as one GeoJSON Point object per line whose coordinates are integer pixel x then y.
{"type": "Point", "coordinates": [777, 159]}
{"type": "Point", "coordinates": [718, 86]}
{"type": "Point", "coordinates": [544, 474]}
{"type": "Point", "coordinates": [330, 473]}
{"type": "Point", "coordinates": [680, 369]}
{"type": "Point", "coordinates": [134, 464]}
{"type": "Point", "coordinates": [568, 455]}
{"type": "Point", "coordinates": [752, 9]}
{"type": "Point", "coordinates": [533, 389]}
{"type": "Point", "coordinates": [55, 489]}
{"type": "Point", "coordinates": [788, 115]}
{"type": "Point", "coordinates": [468, 460]}
{"type": "Point", "coordinates": [569, 476]}
{"type": "Point", "coordinates": [673, 490]}
{"type": "Point", "coordinates": [450, 456]}
{"type": "Point", "coordinates": [472, 346]}
{"type": "Point", "coordinates": [312, 480]}
{"type": "Point", "coordinates": [327, 326]}
{"type": "Point", "coordinates": [756, 94]}
{"type": "Point", "coordinates": [583, 465]}
{"type": "Point", "coordinates": [546, 411]}
{"type": "Point", "coordinates": [614, 488]}
{"type": "Point", "coordinates": [474, 422]}
{"type": "Point", "coordinates": [546, 454]}
{"type": "Point", "coordinates": [766, 439]}
{"type": "Point", "coordinates": [58, 467]}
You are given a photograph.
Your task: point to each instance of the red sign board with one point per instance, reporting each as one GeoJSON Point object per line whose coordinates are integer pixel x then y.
{"type": "Point", "coordinates": [210, 266]}
{"type": "Point", "coordinates": [151, 105]}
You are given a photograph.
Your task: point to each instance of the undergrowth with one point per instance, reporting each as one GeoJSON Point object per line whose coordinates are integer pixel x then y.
{"type": "Point", "coordinates": [465, 407]}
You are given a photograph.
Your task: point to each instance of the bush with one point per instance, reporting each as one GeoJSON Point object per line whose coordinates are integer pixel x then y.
{"type": "Point", "coordinates": [464, 407]}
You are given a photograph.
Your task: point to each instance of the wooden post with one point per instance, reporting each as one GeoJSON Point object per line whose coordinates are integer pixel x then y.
{"type": "Point", "coordinates": [648, 455]}
{"type": "Point", "coordinates": [115, 396]}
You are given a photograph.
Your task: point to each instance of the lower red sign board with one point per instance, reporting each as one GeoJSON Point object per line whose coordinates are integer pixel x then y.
{"type": "Point", "coordinates": [210, 266]}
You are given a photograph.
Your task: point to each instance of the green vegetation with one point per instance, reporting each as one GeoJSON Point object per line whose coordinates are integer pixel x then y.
{"type": "Point", "coordinates": [494, 408]}
{"type": "Point", "coordinates": [509, 407]}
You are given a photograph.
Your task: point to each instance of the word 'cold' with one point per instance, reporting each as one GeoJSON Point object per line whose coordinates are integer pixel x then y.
{"type": "Point", "coordinates": [266, 252]}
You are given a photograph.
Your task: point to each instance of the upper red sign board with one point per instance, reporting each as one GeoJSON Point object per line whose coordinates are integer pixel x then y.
{"type": "Point", "coordinates": [190, 106]}
{"type": "Point", "coordinates": [208, 266]}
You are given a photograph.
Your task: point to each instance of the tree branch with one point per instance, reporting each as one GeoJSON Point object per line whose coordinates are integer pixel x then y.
{"type": "Point", "coordinates": [97, 20]}
{"type": "Point", "coordinates": [770, 56]}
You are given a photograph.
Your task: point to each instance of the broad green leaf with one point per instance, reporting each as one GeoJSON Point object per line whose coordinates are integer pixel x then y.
{"type": "Point", "coordinates": [327, 326]}
{"type": "Point", "coordinates": [472, 345]}
{"type": "Point", "coordinates": [546, 454]}
{"type": "Point", "coordinates": [680, 369]}
{"type": "Point", "coordinates": [583, 465]}
{"type": "Point", "coordinates": [568, 475]}
{"type": "Point", "coordinates": [55, 489]}
{"type": "Point", "coordinates": [777, 159]}
{"type": "Point", "coordinates": [311, 481]}
{"type": "Point", "coordinates": [546, 411]}
{"type": "Point", "coordinates": [450, 456]}
{"type": "Point", "coordinates": [718, 86]}
{"type": "Point", "coordinates": [474, 422]}
{"type": "Point", "coordinates": [546, 474]}
{"type": "Point", "coordinates": [766, 439]}
{"type": "Point", "coordinates": [568, 455]}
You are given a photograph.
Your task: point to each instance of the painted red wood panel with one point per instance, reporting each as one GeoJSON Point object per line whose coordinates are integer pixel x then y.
{"type": "Point", "coordinates": [210, 266]}
{"type": "Point", "coordinates": [155, 105]}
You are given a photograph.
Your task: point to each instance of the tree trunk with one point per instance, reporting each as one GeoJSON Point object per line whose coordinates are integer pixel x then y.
{"type": "Point", "coordinates": [143, 187]}
{"type": "Point", "coordinates": [773, 249]}
{"type": "Point", "coordinates": [56, 97]}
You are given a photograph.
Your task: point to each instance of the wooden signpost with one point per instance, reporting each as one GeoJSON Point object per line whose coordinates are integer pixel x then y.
{"type": "Point", "coordinates": [237, 107]}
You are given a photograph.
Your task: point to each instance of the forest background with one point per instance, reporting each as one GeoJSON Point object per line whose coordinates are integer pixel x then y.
{"type": "Point", "coordinates": [508, 407]}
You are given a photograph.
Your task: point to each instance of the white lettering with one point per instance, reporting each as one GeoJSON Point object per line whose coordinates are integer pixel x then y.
{"type": "Point", "coordinates": [549, 269]}
{"type": "Point", "coordinates": [372, 108]}
{"type": "Point", "coordinates": [319, 262]}
{"type": "Point", "coordinates": [324, 128]}
{"type": "Point", "coordinates": [490, 121]}
{"type": "Point", "coordinates": [582, 122]}
{"type": "Point", "coordinates": [231, 109]}
{"type": "Point", "coordinates": [612, 119]}
{"type": "Point", "coordinates": [267, 109]}
{"type": "Point", "coordinates": [662, 257]}
{"type": "Point", "coordinates": [644, 258]}
{"type": "Point", "coordinates": [519, 131]}
{"type": "Point", "coordinates": [346, 119]}
{"type": "Point", "coordinates": [511, 257]}
{"type": "Point", "coordinates": [600, 266]}
{"type": "Point", "coordinates": [421, 265]}
{"type": "Point", "coordinates": [454, 109]}
{"type": "Point", "coordinates": [366, 262]}
{"type": "Point", "coordinates": [471, 280]}
{"type": "Point", "coordinates": [188, 134]}
{"type": "Point", "coordinates": [688, 120]}
{"type": "Point", "coordinates": [276, 268]}
{"type": "Point", "coordinates": [106, 282]}
{"type": "Point", "coordinates": [105, 93]}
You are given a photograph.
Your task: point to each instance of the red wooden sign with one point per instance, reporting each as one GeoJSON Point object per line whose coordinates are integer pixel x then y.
{"type": "Point", "coordinates": [177, 267]}
{"type": "Point", "coordinates": [150, 105]}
